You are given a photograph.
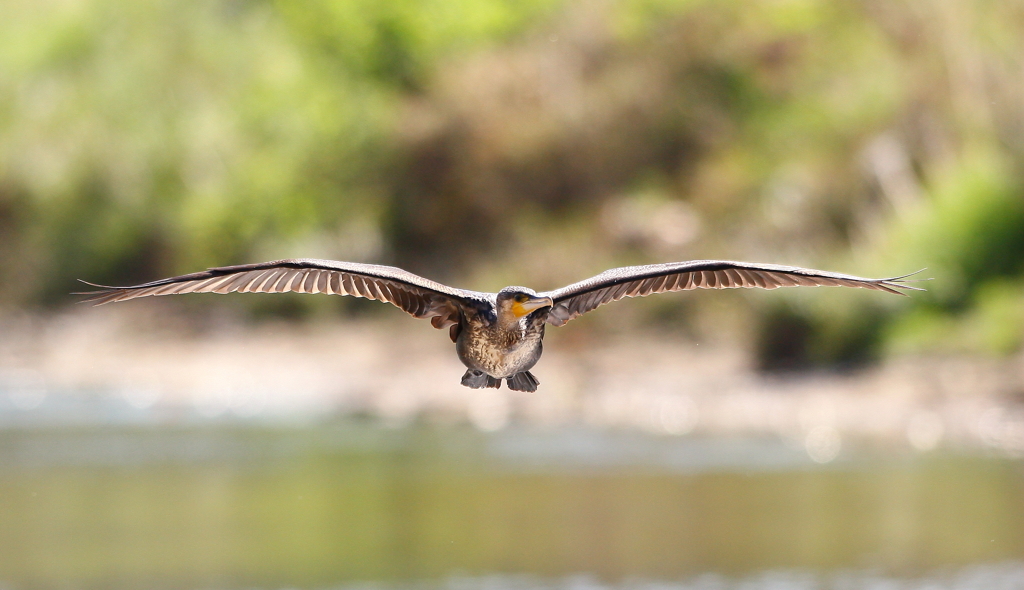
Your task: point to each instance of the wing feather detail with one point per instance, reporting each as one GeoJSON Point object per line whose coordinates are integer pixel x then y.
{"type": "Point", "coordinates": [640, 281]}
{"type": "Point", "coordinates": [418, 296]}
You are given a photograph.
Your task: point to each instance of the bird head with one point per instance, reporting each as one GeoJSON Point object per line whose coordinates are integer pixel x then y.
{"type": "Point", "coordinates": [517, 302]}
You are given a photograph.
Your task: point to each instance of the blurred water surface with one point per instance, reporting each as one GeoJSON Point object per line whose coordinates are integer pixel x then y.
{"type": "Point", "coordinates": [352, 504]}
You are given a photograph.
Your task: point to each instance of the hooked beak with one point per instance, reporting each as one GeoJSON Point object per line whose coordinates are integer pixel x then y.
{"type": "Point", "coordinates": [530, 305]}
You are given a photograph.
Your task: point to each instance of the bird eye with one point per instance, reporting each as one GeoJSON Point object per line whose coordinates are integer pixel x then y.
{"type": "Point", "coordinates": [521, 298]}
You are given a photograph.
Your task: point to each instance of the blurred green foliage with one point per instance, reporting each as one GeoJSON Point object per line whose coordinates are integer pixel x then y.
{"type": "Point", "coordinates": [494, 140]}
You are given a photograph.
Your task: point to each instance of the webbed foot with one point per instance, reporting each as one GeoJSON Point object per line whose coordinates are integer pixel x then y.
{"type": "Point", "coordinates": [524, 381]}
{"type": "Point", "coordinates": [479, 380]}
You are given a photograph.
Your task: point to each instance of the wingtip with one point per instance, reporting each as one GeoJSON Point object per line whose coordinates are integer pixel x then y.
{"type": "Point", "coordinates": [916, 272]}
{"type": "Point", "coordinates": [898, 287]}
{"type": "Point", "coordinates": [901, 281]}
{"type": "Point", "coordinates": [98, 286]}
{"type": "Point", "coordinates": [94, 297]}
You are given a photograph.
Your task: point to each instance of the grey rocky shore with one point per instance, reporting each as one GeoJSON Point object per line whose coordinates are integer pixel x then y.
{"type": "Point", "coordinates": [399, 371]}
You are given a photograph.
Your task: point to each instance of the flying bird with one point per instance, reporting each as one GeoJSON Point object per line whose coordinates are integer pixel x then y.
{"type": "Point", "coordinates": [496, 335]}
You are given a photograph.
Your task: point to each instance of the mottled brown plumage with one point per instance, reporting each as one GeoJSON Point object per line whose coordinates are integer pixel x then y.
{"type": "Point", "coordinates": [497, 335]}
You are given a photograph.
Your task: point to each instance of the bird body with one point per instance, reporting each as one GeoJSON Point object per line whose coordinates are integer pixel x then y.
{"type": "Point", "coordinates": [505, 340]}
{"type": "Point", "coordinates": [497, 335]}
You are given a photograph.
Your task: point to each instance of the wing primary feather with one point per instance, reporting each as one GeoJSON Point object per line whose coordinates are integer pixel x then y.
{"type": "Point", "coordinates": [236, 283]}
{"type": "Point", "coordinates": [422, 305]}
{"type": "Point", "coordinates": [735, 278]}
{"type": "Point", "coordinates": [305, 281]}
{"type": "Point", "coordinates": [250, 280]}
{"type": "Point", "coordinates": [620, 291]}
{"type": "Point", "coordinates": [770, 281]}
{"type": "Point", "coordinates": [224, 285]}
{"type": "Point", "coordinates": [254, 281]}
{"type": "Point", "coordinates": [745, 280]}
{"type": "Point", "coordinates": [101, 299]}
{"type": "Point", "coordinates": [283, 282]}
{"type": "Point", "coordinates": [385, 291]}
{"type": "Point", "coordinates": [357, 286]}
{"type": "Point", "coordinates": [178, 288]}
{"type": "Point", "coordinates": [260, 284]}
{"type": "Point", "coordinates": [374, 289]}
{"type": "Point", "coordinates": [587, 302]}
{"type": "Point", "coordinates": [757, 279]}
{"type": "Point", "coordinates": [780, 280]}
{"type": "Point", "coordinates": [348, 284]}
{"type": "Point", "coordinates": [316, 282]}
{"type": "Point", "coordinates": [887, 289]}
{"type": "Point", "coordinates": [686, 281]}
{"type": "Point", "coordinates": [825, 282]}
{"type": "Point", "coordinates": [287, 282]}
{"type": "Point", "coordinates": [299, 282]}
{"type": "Point", "coordinates": [361, 288]}
{"type": "Point", "coordinates": [246, 280]}
{"type": "Point", "coordinates": [673, 284]}
{"type": "Point", "coordinates": [188, 287]}
{"type": "Point", "coordinates": [410, 302]}
{"type": "Point", "coordinates": [574, 306]}
{"type": "Point", "coordinates": [405, 300]}
{"type": "Point", "coordinates": [650, 286]}
{"type": "Point", "coordinates": [208, 286]}
{"type": "Point", "coordinates": [324, 282]}
{"type": "Point", "coordinates": [368, 290]}
{"type": "Point", "coordinates": [309, 281]}
{"type": "Point", "coordinates": [312, 283]}
{"type": "Point", "coordinates": [334, 283]}
{"type": "Point", "coordinates": [298, 277]}
{"type": "Point", "coordinates": [804, 281]}
{"type": "Point", "coordinates": [400, 297]}
{"type": "Point", "coordinates": [165, 289]}
{"type": "Point", "coordinates": [277, 283]}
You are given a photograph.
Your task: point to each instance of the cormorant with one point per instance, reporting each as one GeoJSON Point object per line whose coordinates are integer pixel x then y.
{"type": "Point", "coordinates": [496, 335]}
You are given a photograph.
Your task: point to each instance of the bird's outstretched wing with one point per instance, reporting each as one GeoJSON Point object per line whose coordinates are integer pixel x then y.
{"type": "Point", "coordinates": [420, 297]}
{"type": "Point", "coordinates": [639, 281]}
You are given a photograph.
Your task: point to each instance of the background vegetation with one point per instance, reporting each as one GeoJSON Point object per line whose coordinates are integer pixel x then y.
{"type": "Point", "coordinates": [497, 141]}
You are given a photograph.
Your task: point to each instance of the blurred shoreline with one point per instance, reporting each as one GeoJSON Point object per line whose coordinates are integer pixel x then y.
{"type": "Point", "coordinates": [101, 366]}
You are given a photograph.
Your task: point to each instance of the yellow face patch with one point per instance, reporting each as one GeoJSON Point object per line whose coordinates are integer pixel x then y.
{"type": "Point", "coordinates": [524, 304]}
{"type": "Point", "coordinates": [519, 309]}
